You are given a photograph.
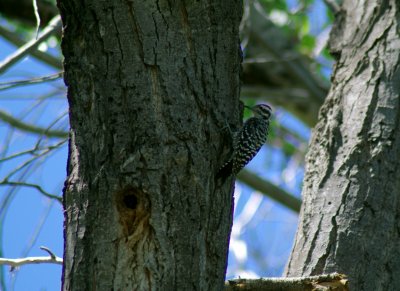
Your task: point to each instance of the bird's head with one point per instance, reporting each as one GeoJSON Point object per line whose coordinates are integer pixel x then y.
{"type": "Point", "coordinates": [261, 110]}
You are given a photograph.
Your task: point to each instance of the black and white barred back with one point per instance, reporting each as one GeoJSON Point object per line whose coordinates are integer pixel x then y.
{"type": "Point", "coordinates": [248, 141]}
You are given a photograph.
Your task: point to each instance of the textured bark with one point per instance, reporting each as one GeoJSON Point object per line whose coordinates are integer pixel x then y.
{"type": "Point", "coordinates": [150, 85]}
{"type": "Point", "coordinates": [350, 219]}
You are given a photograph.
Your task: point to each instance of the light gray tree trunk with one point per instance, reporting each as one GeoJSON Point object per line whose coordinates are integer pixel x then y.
{"type": "Point", "coordinates": [350, 219]}
{"type": "Point", "coordinates": [150, 85]}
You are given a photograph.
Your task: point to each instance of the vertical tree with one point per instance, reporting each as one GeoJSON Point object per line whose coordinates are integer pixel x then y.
{"type": "Point", "coordinates": [351, 195]}
{"type": "Point", "coordinates": [150, 85]}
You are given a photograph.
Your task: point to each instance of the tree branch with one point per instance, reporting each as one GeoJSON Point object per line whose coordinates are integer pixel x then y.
{"type": "Point", "coordinates": [36, 151]}
{"type": "Point", "coordinates": [53, 259]}
{"type": "Point", "coordinates": [30, 260]}
{"type": "Point", "coordinates": [37, 187]}
{"type": "Point", "coordinates": [332, 281]}
{"type": "Point", "coordinates": [31, 128]}
{"type": "Point", "coordinates": [286, 68]}
{"type": "Point", "coordinates": [54, 25]}
{"type": "Point", "coordinates": [52, 255]}
{"type": "Point", "coordinates": [31, 81]}
{"type": "Point", "coordinates": [37, 16]}
{"type": "Point", "coordinates": [294, 67]}
{"type": "Point", "coordinates": [44, 57]}
{"type": "Point", "coordinates": [21, 10]}
{"type": "Point", "coordinates": [270, 190]}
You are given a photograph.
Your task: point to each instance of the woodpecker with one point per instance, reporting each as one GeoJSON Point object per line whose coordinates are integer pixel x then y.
{"type": "Point", "coordinates": [247, 141]}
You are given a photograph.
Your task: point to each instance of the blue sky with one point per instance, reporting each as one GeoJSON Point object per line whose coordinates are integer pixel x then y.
{"type": "Point", "coordinates": [31, 220]}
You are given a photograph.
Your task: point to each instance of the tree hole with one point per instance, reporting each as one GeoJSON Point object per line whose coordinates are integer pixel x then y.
{"type": "Point", "coordinates": [133, 209]}
{"type": "Point", "coordinates": [130, 201]}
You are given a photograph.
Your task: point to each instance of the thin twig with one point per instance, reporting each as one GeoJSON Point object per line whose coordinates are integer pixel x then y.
{"type": "Point", "coordinates": [37, 16]}
{"type": "Point", "coordinates": [8, 197]}
{"type": "Point", "coordinates": [52, 255]}
{"type": "Point", "coordinates": [33, 151]}
{"type": "Point", "coordinates": [37, 187]}
{"type": "Point", "coordinates": [54, 25]}
{"type": "Point", "coordinates": [13, 84]}
{"type": "Point", "coordinates": [42, 56]}
{"type": "Point", "coordinates": [26, 163]}
{"type": "Point", "coordinates": [31, 128]}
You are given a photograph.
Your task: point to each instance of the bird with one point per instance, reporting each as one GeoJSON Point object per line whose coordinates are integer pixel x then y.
{"type": "Point", "coordinates": [247, 141]}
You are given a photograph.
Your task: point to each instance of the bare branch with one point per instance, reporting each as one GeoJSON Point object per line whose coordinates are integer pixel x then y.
{"type": "Point", "coordinates": [28, 162]}
{"type": "Point", "coordinates": [270, 190]}
{"type": "Point", "coordinates": [13, 84]}
{"type": "Point", "coordinates": [332, 281]}
{"type": "Point", "coordinates": [30, 260]}
{"type": "Point", "coordinates": [44, 57]}
{"type": "Point", "coordinates": [37, 16]}
{"type": "Point", "coordinates": [54, 25]}
{"type": "Point", "coordinates": [21, 11]}
{"type": "Point", "coordinates": [31, 128]}
{"type": "Point", "coordinates": [37, 187]}
{"type": "Point", "coordinates": [52, 255]}
{"type": "Point", "coordinates": [36, 151]}
{"type": "Point", "coordinates": [295, 68]}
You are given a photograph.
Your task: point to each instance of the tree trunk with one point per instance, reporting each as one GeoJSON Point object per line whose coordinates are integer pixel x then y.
{"type": "Point", "coordinates": [150, 85]}
{"type": "Point", "coordinates": [350, 220]}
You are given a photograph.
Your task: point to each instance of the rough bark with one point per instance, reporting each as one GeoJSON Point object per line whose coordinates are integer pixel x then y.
{"type": "Point", "coordinates": [150, 85]}
{"type": "Point", "coordinates": [350, 220]}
